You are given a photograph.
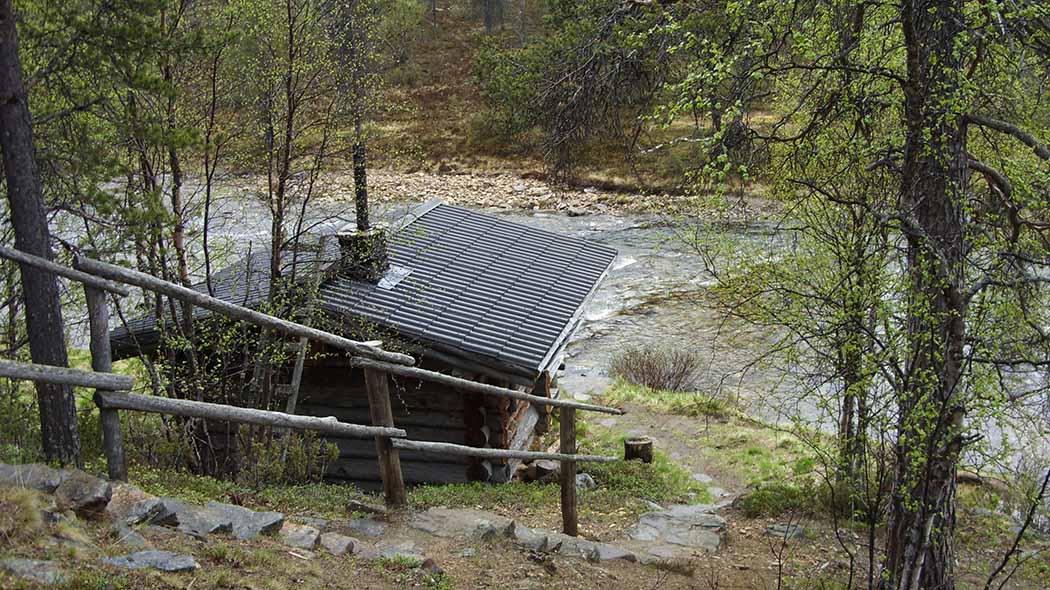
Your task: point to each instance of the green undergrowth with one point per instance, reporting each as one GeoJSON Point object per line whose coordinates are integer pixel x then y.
{"type": "Point", "coordinates": [322, 499]}
{"type": "Point", "coordinates": [681, 403]}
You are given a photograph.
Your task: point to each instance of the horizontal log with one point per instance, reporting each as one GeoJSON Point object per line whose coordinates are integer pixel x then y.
{"type": "Point", "coordinates": [64, 376]}
{"type": "Point", "coordinates": [442, 448]}
{"type": "Point", "coordinates": [237, 312]}
{"type": "Point", "coordinates": [475, 387]}
{"type": "Point", "coordinates": [208, 411]}
{"type": "Point", "coordinates": [63, 271]}
{"type": "Point", "coordinates": [360, 415]}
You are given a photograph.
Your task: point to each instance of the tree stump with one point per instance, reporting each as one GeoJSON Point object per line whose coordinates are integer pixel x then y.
{"type": "Point", "coordinates": [639, 447]}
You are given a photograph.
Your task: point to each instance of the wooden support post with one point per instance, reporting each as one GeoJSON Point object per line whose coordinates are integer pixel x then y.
{"type": "Point", "coordinates": [102, 362]}
{"type": "Point", "coordinates": [389, 458]}
{"type": "Point", "coordinates": [568, 472]}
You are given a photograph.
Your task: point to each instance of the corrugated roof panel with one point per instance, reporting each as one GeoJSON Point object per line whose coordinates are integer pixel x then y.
{"type": "Point", "coordinates": [498, 289]}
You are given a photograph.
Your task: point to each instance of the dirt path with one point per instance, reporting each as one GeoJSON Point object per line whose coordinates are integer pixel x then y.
{"type": "Point", "coordinates": [678, 437]}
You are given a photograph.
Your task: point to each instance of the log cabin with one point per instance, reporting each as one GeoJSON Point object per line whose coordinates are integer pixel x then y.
{"type": "Point", "coordinates": [468, 294]}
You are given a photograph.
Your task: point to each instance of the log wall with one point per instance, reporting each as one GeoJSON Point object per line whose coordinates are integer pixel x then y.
{"type": "Point", "coordinates": [427, 411]}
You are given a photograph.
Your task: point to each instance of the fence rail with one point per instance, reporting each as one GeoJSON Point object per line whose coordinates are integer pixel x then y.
{"type": "Point", "coordinates": [111, 398]}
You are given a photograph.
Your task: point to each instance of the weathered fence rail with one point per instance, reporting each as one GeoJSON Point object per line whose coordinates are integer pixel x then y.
{"type": "Point", "coordinates": [64, 376]}
{"type": "Point", "coordinates": [98, 277]}
{"type": "Point", "coordinates": [237, 312]}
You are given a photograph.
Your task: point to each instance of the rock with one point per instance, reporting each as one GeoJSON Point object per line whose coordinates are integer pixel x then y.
{"type": "Point", "coordinates": [165, 561]}
{"type": "Point", "coordinates": [124, 499]}
{"type": "Point", "coordinates": [82, 493]}
{"type": "Point", "coordinates": [520, 188]}
{"type": "Point", "coordinates": [717, 492]}
{"type": "Point", "coordinates": [337, 544]}
{"type": "Point", "coordinates": [584, 481]}
{"type": "Point", "coordinates": [653, 506]}
{"type": "Point", "coordinates": [318, 523]}
{"type": "Point", "coordinates": [130, 537]}
{"type": "Point", "coordinates": [41, 572]}
{"type": "Point", "coordinates": [367, 527]}
{"type": "Point", "coordinates": [702, 478]}
{"type": "Point", "coordinates": [431, 567]}
{"type": "Point", "coordinates": [365, 507]}
{"type": "Point", "coordinates": [681, 529]}
{"type": "Point", "coordinates": [245, 523]}
{"type": "Point", "coordinates": [196, 520]}
{"type": "Point", "coordinates": [152, 511]}
{"type": "Point", "coordinates": [785, 531]}
{"type": "Point", "coordinates": [537, 191]}
{"type": "Point", "coordinates": [300, 536]}
{"type": "Point", "coordinates": [459, 523]}
{"type": "Point", "coordinates": [542, 470]}
{"type": "Point", "coordinates": [468, 552]}
{"type": "Point", "coordinates": [35, 476]}
{"type": "Point", "coordinates": [576, 212]}
{"type": "Point", "coordinates": [405, 550]}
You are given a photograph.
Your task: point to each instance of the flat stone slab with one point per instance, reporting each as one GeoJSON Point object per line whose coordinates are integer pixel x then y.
{"type": "Point", "coordinates": [785, 531]}
{"type": "Point", "coordinates": [459, 524]}
{"type": "Point", "coordinates": [367, 527]}
{"type": "Point", "coordinates": [245, 523]}
{"type": "Point", "coordinates": [165, 561]}
{"type": "Point", "coordinates": [300, 536]}
{"type": "Point", "coordinates": [124, 500]}
{"type": "Point", "coordinates": [680, 531]}
{"type": "Point", "coordinates": [195, 520]}
{"type": "Point", "coordinates": [33, 570]}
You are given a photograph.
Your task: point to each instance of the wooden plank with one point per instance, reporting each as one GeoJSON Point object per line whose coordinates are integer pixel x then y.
{"type": "Point", "coordinates": [102, 362]}
{"type": "Point", "coordinates": [475, 387]}
{"type": "Point", "coordinates": [208, 411]}
{"type": "Point", "coordinates": [435, 447]}
{"type": "Point", "coordinates": [389, 461]}
{"type": "Point", "coordinates": [413, 421]}
{"type": "Point", "coordinates": [64, 376]}
{"type": "Point", "coordinates": [152, 283]}
{"type": "Point", "coordinates": [63, 271]}
{"type": "Point", "coordinates": [569, 522]}
{"type": "Point", "coordinates": [297, 376]}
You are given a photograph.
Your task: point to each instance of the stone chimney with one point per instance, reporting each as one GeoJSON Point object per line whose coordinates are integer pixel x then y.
{"type": "Point", "coordinates": [363, 253]}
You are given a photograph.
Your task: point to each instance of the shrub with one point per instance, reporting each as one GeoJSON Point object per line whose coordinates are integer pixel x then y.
{"type": "Point", "coordinates": [660, 368]}
{"type": "Point", "coordinates": [775, 499]}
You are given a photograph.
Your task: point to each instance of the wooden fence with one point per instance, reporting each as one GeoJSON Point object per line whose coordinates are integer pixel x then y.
{"type": "Point", "coordinates": [99, 278]}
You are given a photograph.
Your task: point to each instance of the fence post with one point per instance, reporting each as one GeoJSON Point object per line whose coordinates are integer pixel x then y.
{"type": "Point", "coordinates": [102, 362]}
{"type": "Point", "coordinates": [568, 472]}
{"type": "Point", "coordinates": [389, 459]}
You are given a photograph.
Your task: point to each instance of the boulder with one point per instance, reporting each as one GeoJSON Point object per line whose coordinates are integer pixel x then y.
{"type": "Point", "coordinates": [41, 572]}
{"type": "Point", "coordinates": [165, 561]}
{"type": "Point", "coordinates": [431, 567]}
{"type": "Point", "coordinates": [194, 520]}
{"type": "Point", "coordinates": [337, 544]}
{"type": "Point", "coordinates": [82, 493]}
{"type": "Point", "coordinates": [245, 523]}
{"type": "Point", "coordinates": [124, 499]}
{"type": "Point", "coordinates": [35, 476]}
{"type": "Point", "coordinates": [300, 536]}
{"type": "Point", "coordinates": [153, 511]}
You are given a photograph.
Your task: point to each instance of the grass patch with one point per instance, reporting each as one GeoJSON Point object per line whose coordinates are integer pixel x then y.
{"type": "Point", "coordinates": [19, 515]}
{"type": "Point", "coordinates": [691, 403]}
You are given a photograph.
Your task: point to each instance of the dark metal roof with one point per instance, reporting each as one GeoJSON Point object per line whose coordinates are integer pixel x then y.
{"type": "Point", "coordinates": [479, 285]}
{"type": "Point", "coordinates": [463, 282]}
